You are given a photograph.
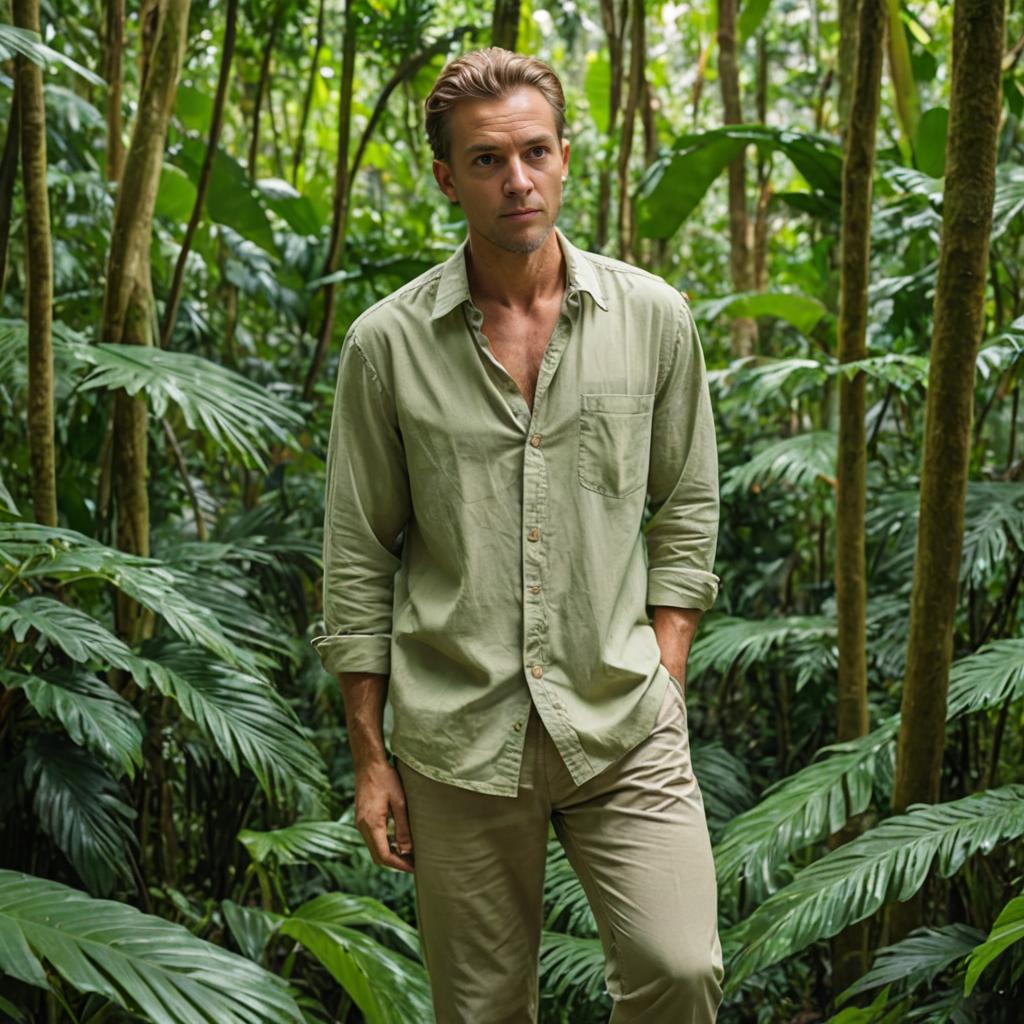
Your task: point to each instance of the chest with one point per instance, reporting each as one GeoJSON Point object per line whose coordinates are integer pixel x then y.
{"type": "Point", "coordinates": [519, 343]}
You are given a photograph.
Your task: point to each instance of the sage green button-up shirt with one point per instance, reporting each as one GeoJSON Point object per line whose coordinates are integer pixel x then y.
{"type": "Point", "coordinates": [487, 556]}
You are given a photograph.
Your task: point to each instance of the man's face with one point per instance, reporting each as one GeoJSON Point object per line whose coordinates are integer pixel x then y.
{"type": "Point", "coordinates": [506, 158]}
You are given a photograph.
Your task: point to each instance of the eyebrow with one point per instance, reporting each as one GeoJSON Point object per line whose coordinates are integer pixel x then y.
{"type": "Point", "coordinates": [489, 147]}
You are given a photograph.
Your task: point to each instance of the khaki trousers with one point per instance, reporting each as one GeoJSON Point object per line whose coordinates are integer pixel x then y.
{"type": "Point", "coordinates": [636, 835]}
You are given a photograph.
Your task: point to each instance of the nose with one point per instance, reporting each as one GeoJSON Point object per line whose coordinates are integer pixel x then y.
{"type": "Point", "coordinates": [518, 181]}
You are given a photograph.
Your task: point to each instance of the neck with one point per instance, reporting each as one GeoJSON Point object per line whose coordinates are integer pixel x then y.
{"type": "Point", "coordinates": [515, 280]}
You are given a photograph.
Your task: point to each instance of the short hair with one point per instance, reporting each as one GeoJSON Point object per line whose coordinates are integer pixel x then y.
{"type": "Point", "coordinates": [490, 73]}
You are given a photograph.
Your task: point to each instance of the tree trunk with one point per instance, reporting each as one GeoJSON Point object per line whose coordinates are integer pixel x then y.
{"type": "Point", "coordinates": [113, 60]}
{"type": "Point", "coordinates": [847, 58]}
{"type": "Point", "coordinates": [744, 328]}
{"type": "Point", "coordinates": [261, 89]}
{"type": "Point", "coordinates": [8, 176]}
{"type": "Point", "coordinates": [339, 218]}
{"type": "Point", "coordinates": [307, 100]}
{"type": "Point", "coordinates": [505, 24]}
{"type": "Point", "coordinates": [849, 948]}
{"type": "Point", "coordinates": [129, 313]}
{"type": "Point", "coordinates": [39, 267]}
{"type": "Point", "coordinates": [613, 17]}
{"type": "Point", "coordinates": [637, 56]}
{"type": "Point", "coordinates": [216, 120]}
{"type": "Point", "coordinates": [959, 313]}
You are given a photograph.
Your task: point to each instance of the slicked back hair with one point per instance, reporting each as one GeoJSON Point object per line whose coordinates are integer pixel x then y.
{"type": "Point", "coordinates": [490, 73]}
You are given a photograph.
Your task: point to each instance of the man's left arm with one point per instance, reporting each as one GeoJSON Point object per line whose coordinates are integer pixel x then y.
{"type": "Point", "coordinates": [682, 534]}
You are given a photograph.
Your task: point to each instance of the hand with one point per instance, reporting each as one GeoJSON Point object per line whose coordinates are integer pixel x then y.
{"type": "Point", "coordinates": [379, 792]}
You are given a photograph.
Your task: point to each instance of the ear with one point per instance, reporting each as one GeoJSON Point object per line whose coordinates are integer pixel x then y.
{"type": "Point", "coordinates": [565, 158]}
{"type": "Point", "coordinates": [443, 177]}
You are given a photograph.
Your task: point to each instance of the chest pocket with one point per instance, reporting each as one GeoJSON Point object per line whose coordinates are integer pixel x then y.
{"type": "Point", "coordinates": [615, 442]}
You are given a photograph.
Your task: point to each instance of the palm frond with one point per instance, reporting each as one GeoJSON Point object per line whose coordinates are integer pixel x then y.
{"type": "Point", "coordinates": [93, 715]}
{"type": "Point", "coordinates": [891, 861]}
{"type": "Point", "coordinates": [142, 963]}
{"type": "Point", "coordinates": [902, 370]}
{"type": "Point", "coordinates": [993, 520]}
{"type": "Point", "coordinates": [237, 414]}
{"type": "Point", "coordinates": [916, 960]}
{"type": "Point", "coordinates": [31, 551]}
{"type": "Point", "coordinates": [301, 843]}
{"type": "Point", "coordinates": [564, 896]}
{"type": "Point", "coordinates": [796, 461]}
{"type": "Point", "coordinates": [802, 809]}
{"type": "Point", "coordinates": [387, 986]}
{"type": "Point", "coordinates": [25, 43]}
{"type": "Point", "coordinates": [77, 634]}
{"type": "Point", "coordinates": [240, 713]}
{"type": "Point", "coordinates": [82, 809]}
{"type": "Point", "coordinates": [572, 963]}
{"type": "Point", "coordinates": [724, 782]}
{"type": "Point", "coordinates": [727, 642]}
{"type": "Point", "coordinates": [1007, 929]}
{"type": "Point", "coordinates": [986, 678]}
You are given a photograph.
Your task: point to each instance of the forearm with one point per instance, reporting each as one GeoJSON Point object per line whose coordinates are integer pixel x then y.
{"type": "Point", "coordinates": [675, 629]}
{"type": "Point", "coordinates": [365, 694]}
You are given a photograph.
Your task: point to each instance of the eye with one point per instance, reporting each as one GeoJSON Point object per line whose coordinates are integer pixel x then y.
{"type": "Point", "coordinates": [484, 156]}
{"type": "Point", "coordinates": [541, 150]}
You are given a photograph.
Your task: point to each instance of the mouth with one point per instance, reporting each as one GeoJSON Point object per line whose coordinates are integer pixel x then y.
{"type": "Point", "coordinates": [521, 214]}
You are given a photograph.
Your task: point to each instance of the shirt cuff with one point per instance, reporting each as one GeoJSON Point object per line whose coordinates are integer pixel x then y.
{"type": "Point", "coordinates": [682, 588]}
{"type": "Point", "coordinates": [355, 652]}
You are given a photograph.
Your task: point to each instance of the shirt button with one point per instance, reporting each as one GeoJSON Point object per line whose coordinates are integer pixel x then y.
{"type": "Point", "coordinates": [535, 589]}
{"type": "Point", "coordinates": [517, 726]}
{"type": "Point", "coordinates": [536, 672]}
{"type": "Point", "coordinates": [535, 440]}
{"type": "Point", "coordinates": [534, 534]}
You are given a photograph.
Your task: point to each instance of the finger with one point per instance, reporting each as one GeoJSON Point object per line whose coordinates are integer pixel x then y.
{"type": "Point", "coordinates": [382, 853]}
{"type": "Point", "coordinates": [403, 834]}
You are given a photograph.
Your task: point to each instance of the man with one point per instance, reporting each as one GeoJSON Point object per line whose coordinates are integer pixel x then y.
{"type": "Point", "coordinates": [507, 413]}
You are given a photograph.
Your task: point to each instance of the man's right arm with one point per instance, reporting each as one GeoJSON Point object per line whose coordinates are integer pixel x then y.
{"type": "Point", "coordinates": [366, 506]}
{"type": "Point", "coordinates": [379, 790]}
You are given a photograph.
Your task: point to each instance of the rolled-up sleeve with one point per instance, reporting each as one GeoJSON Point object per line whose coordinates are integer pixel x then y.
{"type": "Point", "coordinates": [366, 506]}
{"type": "Point", "coordinates": [682, 533]}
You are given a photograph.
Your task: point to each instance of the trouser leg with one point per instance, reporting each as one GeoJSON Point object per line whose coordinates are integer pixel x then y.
{"type": "Point", "coordinates": [479, 881]}
{"type": "Point", "coordinates": [637, 836]}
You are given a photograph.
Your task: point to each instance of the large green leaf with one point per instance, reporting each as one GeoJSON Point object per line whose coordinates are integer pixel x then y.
{"type": "Point", "coordinates": [802, 311]}
{"type": "Point", "coordinates": [1008, 929]}
{"type": "Point", "coordinates": [301, 843]}
{"type": "Point", "coordinates": [890, 862]}
{"type": "Point", "coordinates": [241, 714]}
{"type": "Point", "coordinates": [93, 715]}
{"type": "Point", "coordinates": [176, 196]}
{"type": "Point", "coordinates": [674, 185]}
{"type": "Point", "coordinates": [82, 809]}
{"type": "Point", "coordinates": [231, 197]}
{"type": "Point", "coordinates": [387, 986]}
{"type": "Point", "coordinates": [142, 963]}
{"type": "Point", "coordinates": [294, 208]}
{"type": "Point", "coordinates": [596, 86]}
{"type": "Point", "coordinates": [236, 413]}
